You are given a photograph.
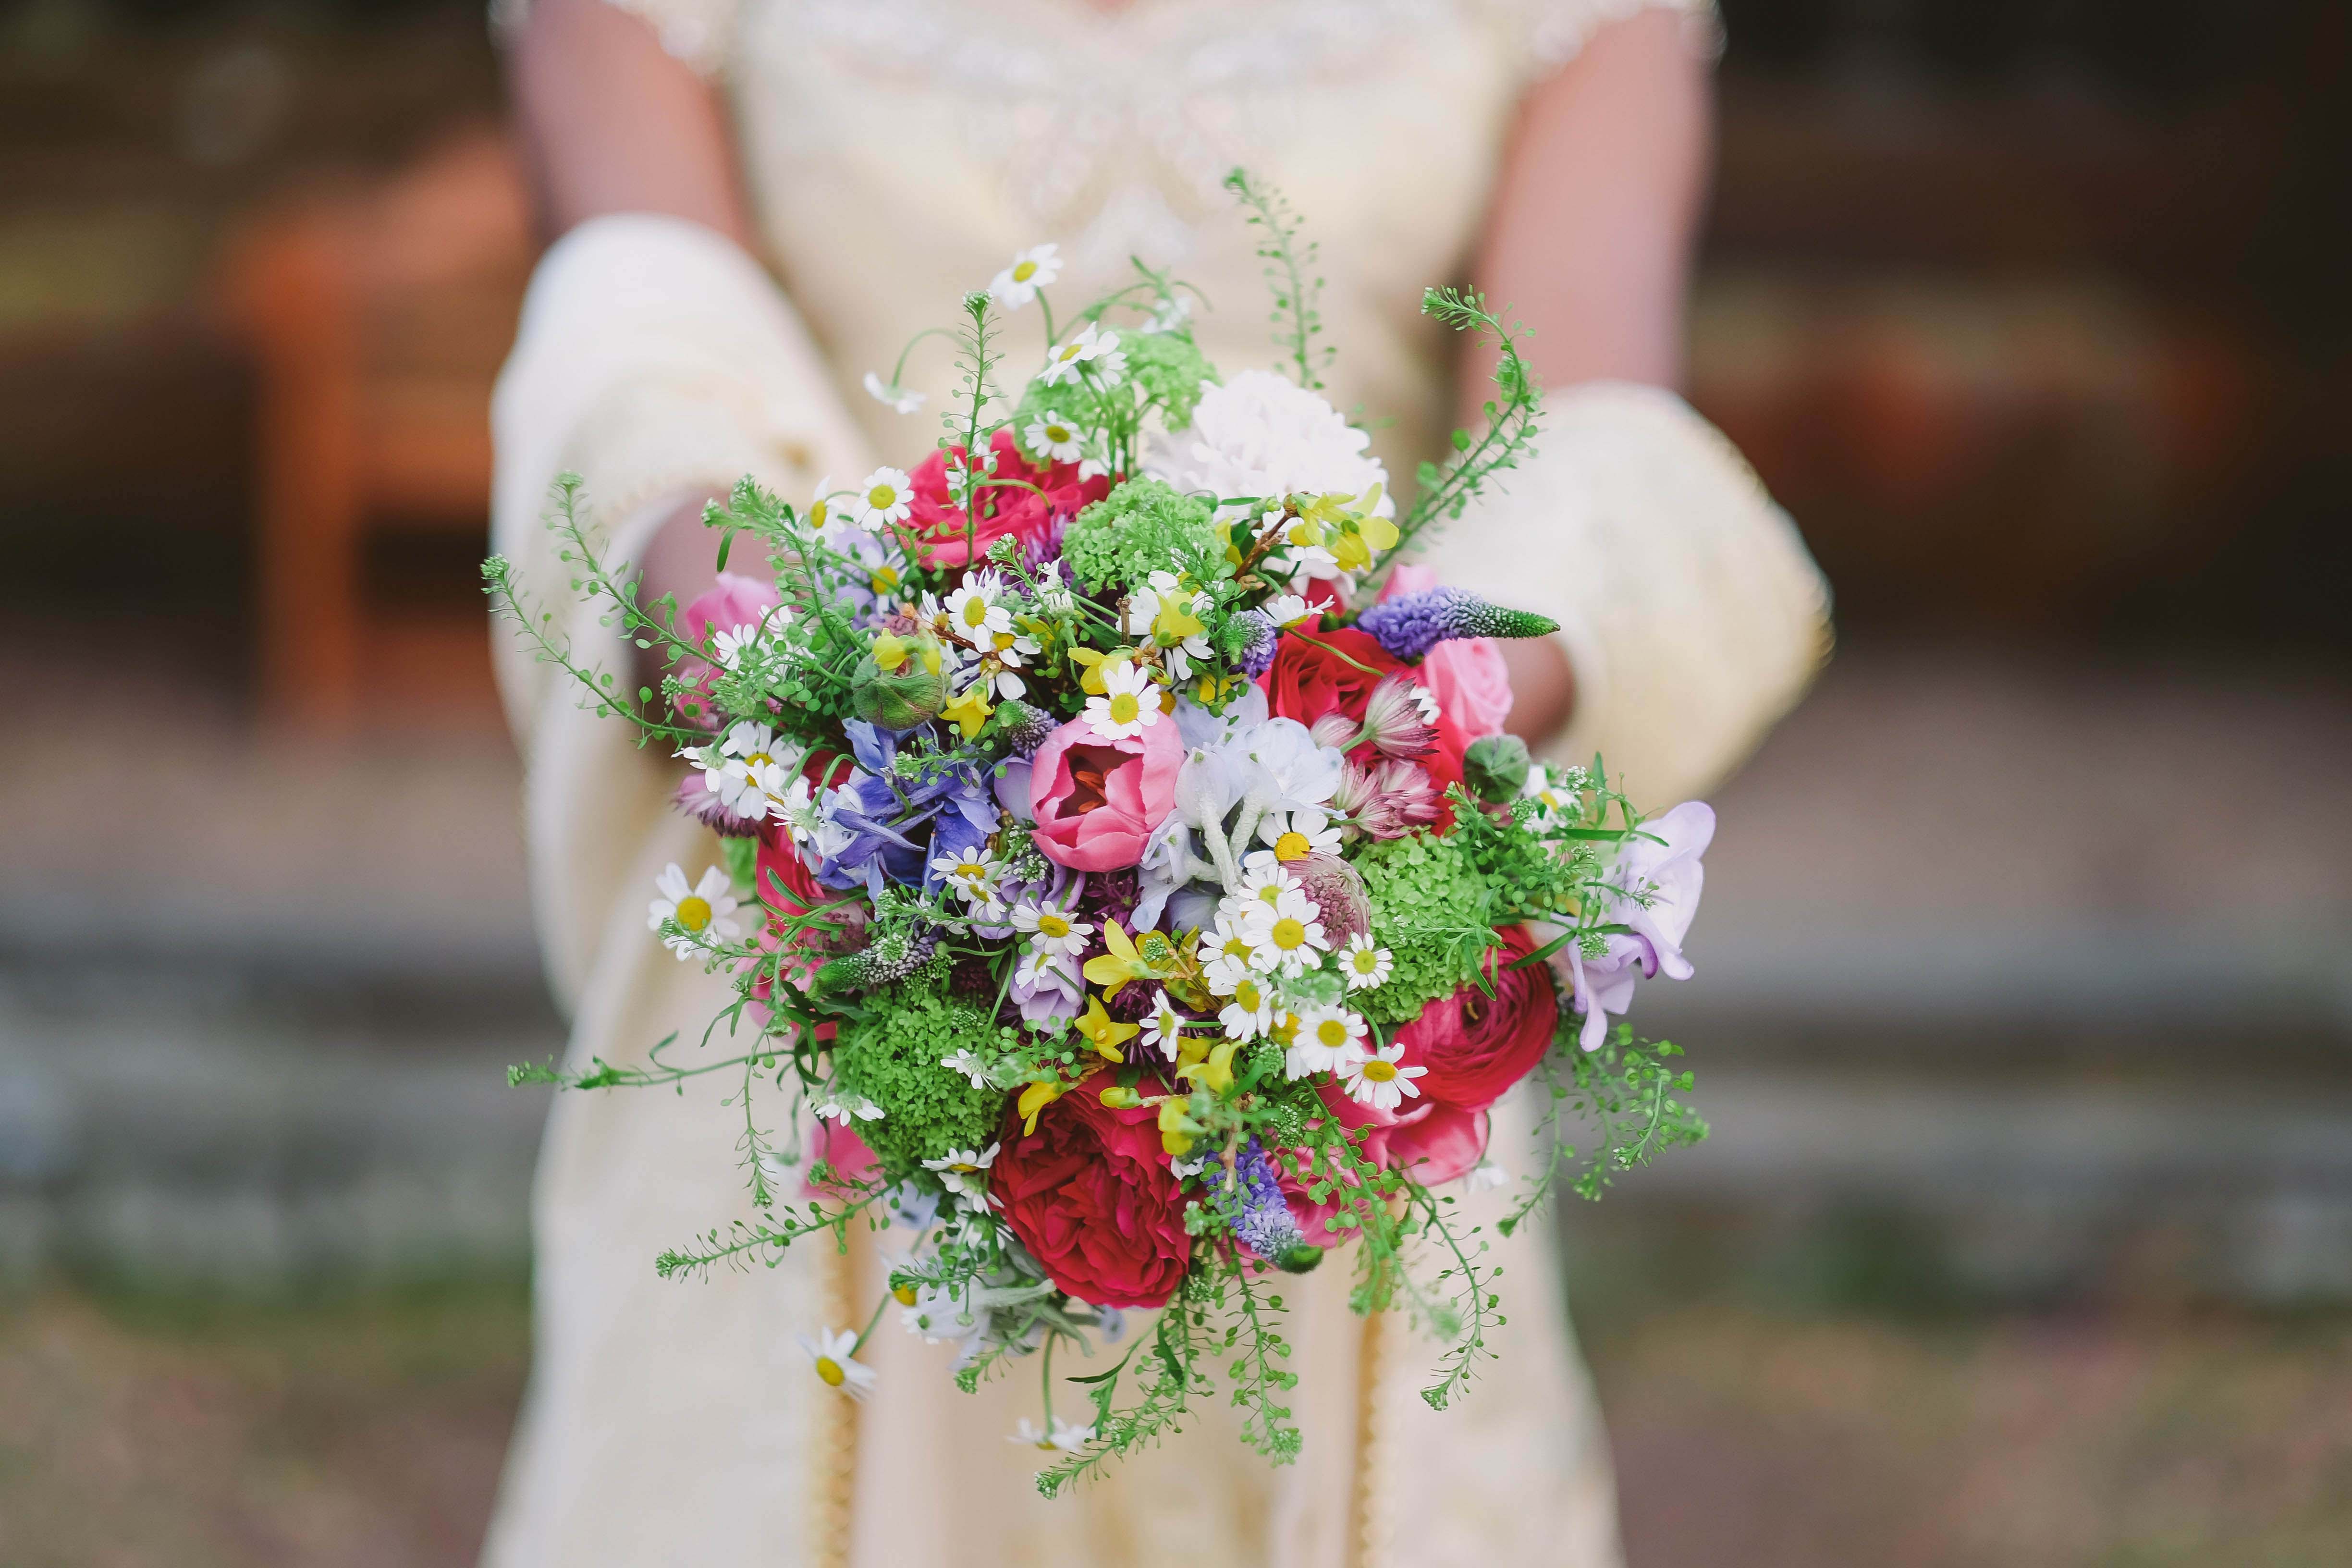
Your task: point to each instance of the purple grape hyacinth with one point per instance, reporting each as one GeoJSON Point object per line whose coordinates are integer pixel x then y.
{"type": "Point", "coordinates": [1410, 625]}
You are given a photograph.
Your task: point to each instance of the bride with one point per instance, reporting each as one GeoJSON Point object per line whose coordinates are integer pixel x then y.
{"type": "Point", "coordinates": [758, 203]}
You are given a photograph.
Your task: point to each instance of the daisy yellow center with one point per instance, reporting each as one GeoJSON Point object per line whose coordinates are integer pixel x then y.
{"type": "Point", "coordinates": [962, 1167]}
{"type": "Point", "coordinates": [1270, 893]}
{"type": "Point", "coordinates": [1380, 1071]}
{"type": "Point", "coordinates": [903, 1294]}
{"type": "Point", "coordinates": [693, 913]}
{"type": "Point", "coordinates": [1286, 1029]}
{"type": "Point", "coordinates": [1237, 947]}
{"type": "Point", "coordinates": [1365, 960]}
{"type": "Point", "coordinates": [885, 579]}
{"type": "Point", "coordinates": [973, 872]}
{"type": "Point", "coordinates": [1248, 997]}
{"type": "Point", "coordinates": [1123, 708]}
{"type": "Point", "coordinates": [1059, 435]}
{"type": "Point", "coordinates": [1053, 926]}
{"type": "Point", "coordinates": [1023, 270]}
{"type": "Point", "coordinates": [882, 496]}
{"type": "Point", "coordinates": [1331, 1033]}
{"type": "Point", "coordinates": [1071, 352]}
{"type": "Point", "coordinates": [830, 1370]}
{"type": "Point", "coordinates": [1291, 846]}
{"type": "Point", "coordinates": [975, 612]}
{"type": "Point", "coordinates": [1287, 934]}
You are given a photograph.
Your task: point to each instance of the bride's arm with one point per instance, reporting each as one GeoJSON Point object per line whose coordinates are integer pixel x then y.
{"type": "Point", "coordinates": [1692, 617]}
{"type": "Point", "coordinates": [1589, 244]}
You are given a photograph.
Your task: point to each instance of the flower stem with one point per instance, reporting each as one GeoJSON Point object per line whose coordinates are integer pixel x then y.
{"type": "Point", "coordinates": [867, 1331]}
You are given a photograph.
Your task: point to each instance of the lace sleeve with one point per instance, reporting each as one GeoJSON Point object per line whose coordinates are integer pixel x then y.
{"type": "Point", "coordinates": [1547, 34]}
{"type": "Point", "coordinates": [699, 32]}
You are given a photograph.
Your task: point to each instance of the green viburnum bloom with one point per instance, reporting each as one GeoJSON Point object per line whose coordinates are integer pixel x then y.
{"type": "Point", "coordinates": [1434, 912]}
{"type": "Point", "coordinates": [894, 1057]}
{"type": "Point", "coordinates": [1142, 527]}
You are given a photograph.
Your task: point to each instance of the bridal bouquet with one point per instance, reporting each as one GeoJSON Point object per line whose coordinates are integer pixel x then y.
{"type": "Point", "coordinates": [1125, 865]}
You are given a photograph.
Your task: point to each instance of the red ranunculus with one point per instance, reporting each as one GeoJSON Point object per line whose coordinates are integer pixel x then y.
{"type": "Point", "coordinates": [1476, 1047]}
{"type": "Point", "coordinates": [1091, 1195]}
{"type": "Point", "coordinates": [1317, 672]}
{"type": "Point", "coordinates": [938, 523]}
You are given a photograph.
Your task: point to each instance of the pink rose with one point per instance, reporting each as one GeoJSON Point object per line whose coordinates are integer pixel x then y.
{"type": "Point", "coordinates": [1097, 800]}
{"type": "Point", "coordinates": [1424, 1140]}
{"type": "Point", "coordinates": [1466, 675]}
{"type": "Point", "coordinates": [733, 601]}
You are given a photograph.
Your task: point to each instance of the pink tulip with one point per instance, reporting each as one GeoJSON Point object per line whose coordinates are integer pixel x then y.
{"type": "Point", "coordinates": [1098, 801]}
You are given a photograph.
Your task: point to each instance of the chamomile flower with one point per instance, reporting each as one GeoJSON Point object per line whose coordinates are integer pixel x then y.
{"type": "Point", "coordinates": [1164, 1026]}
{"type": "Point", "coordinates": [1328, 1040]}
{"type": "Point", "coordinates": [1223, 975]}
{"type": "Point", "coordinates": [1061, 1436]}
{"type": "Point", "coordinates": [1287, 611]}
{"type": "Point", "coordinates": [891, 395]}
{"type": "Point", "coordinates": [883, 499]}
{"type": "Point", "coordinates": [1263, 881]}
{"type": "Point", "coordinates": [1364, 965]}
{"type": "Point", "coordinates": [1295, 835]}
{"type": "Point", "coordinates": [1230, 939]}
{"type": "Point", "coordinates": [836, 1363]}
{"type": "Point", "coordinates": [734, 645]}
{"type": "Point", "coordinates": [846, 1107]}
{"type": "Point", "coordinates": [1129, 703]}
{"type": "Point", "coordinates": [796, 808]}
{"type": "Point", "coordinates": [1055, 439]}
{"type": "Point", "coordinates": [1039, 968]}
{"type": "Point", "coordinates": [753, 769]}
{"type": "Point", "coordinates": [965, 1171]}
{"type": "Point", "coordinates": [1250, 1012]}
{"type": "Point", "coordinates": [974, 875]}
{"type": "Point", "coordinates": [970, 1065]}
{"type": "Point", "coordinates": [973, 611]}
{"type": "Point", "coordinates": [705, 909]}
{"type": "Point", "coordinates": [1287, 933]}
{"type": "Point", "coordinates": [1092, 346]}
{"type": "Point", "coordinates": [1051, 931]}
{"type": "Point", "coordinates": [1375, 1079]}
{"type": "Point", "coordinates": [1033, 268]}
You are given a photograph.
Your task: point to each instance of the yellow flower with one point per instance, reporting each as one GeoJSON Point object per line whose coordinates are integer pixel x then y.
{"type": "Point", "coordinates": [1175, 621]}
{"type": "Point", "coordinates": [1036, 1098]}
{"type": "Point", "coordinates": [1177, 1130]}
{"type": "Point", "coordinates": [1104, 1031]}
{"type": "Point", "coordinates": [1216, 1073]}
{"type": "Point", "coordinates": [1126, 962]}
{"type": "Point", "coordinates": [1357, 536]}
{"type": "Point", "coordinates": [1092, 661]}
{"type": "Point", "coordinates": [890, 651]}
{"type": "Point", "coordinates": [968, 709]}
{"type": "Point", "coordinates": [1119, 1097]}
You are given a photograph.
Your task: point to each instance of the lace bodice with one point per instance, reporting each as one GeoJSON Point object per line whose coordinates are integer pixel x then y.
{"type": "Point", "coordinates": [898, 151]}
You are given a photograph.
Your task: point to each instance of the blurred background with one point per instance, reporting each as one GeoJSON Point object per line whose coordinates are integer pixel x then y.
{"type": "Point", "coordinates": [2025, 1019]}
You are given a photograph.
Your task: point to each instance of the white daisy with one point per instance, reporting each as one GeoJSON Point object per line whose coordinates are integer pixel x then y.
{"type": "Point", "coordinates": [1250, 1013]}
{"type": "Point", "coordinates": [836, 1363]}
{"type": "Point", "coordinates": [843, 1108]}
{"type": "Point", "coordinates": [1363, 965]}
{"type": "Point", "coordinates": [972, 875]}
{"type": "Point", "coordinates": [1033, 268]}
{"type": "Point", "coordinates": [1057, 439]}
{"type": "Point", "coordinates": [970, 1065]}
{"type": "Point", "coordinates": [1164, 1026]}
{"type": "Point", "coordinates": [1288, 610]}
{"type": "Point", "coordinates": [964, 1171]}
{"type": "Point", "coordinates": [1230, 939]}
{"type": "Point", "coordinates": [754, 769]}
{"type": "Point", "coordinates": [1064, 1435]}
{"type": "Point", "coordinates": [881, 500]}
{"type": "Point", "coordinates": [973, 611]}
{"type": "Point", "coordinates": [1288, 933]}
{"type": "Point", "coordinates": [1223, 975]}
{"type": "Point", "coordinates": [891, 395]}
{"type": "Point", "coordinates": [1328, 1039]}
{"type": "Point", "coordinates": [1037, 969]}
{"type": "Point", "coordinates": [1296, 835]}
{"type": "Point", "coordinates": [1129, 703]}
{"type": "Point", "coordinates": [704, 910]}
{"type": "Point", "coordinates": [1091, 346]}
{"type": "Point", "coordinates": [1264, 879]}
{"type": "Point", "coordinates": [1375, 1079]}
{"type": "Point", "coordinates": [1051, 931]}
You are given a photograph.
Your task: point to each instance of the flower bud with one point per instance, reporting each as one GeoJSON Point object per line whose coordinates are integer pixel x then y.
{"type": "Point", "coordinates": [897, 699]}
{"type": "Point", "coordinates": [1495, 766]}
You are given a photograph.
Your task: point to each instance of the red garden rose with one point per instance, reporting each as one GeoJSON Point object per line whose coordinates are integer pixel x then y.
{"type": "Point", "coordinates": [1424, 1138]}
{"type": "Point", "coordinates": [938, 523]}
{"type": "Point", "coordinates": [1475, 1046]}
{"type": "Point", "coordinates": [1091, 1195]}
{"type": "Point", "coordinates": [1318, 672]}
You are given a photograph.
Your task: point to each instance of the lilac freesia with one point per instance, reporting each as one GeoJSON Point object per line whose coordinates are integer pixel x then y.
{"type": "Point", "coordinates": [1659, 878]}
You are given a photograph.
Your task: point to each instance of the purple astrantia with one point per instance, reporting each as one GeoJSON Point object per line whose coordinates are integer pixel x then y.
{"type": "Point", "coordinates": [1256, 656]}
{"type": "Point", "coordinates": [1659, 874]}
{"type": "Point", "coordinates": [697, 800]}
{"type": "Point", "coordinates": [1409, 625]}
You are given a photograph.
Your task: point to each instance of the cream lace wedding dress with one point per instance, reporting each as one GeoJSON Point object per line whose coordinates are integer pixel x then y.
{"type": "Point", "coordinates": [899, 152]}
